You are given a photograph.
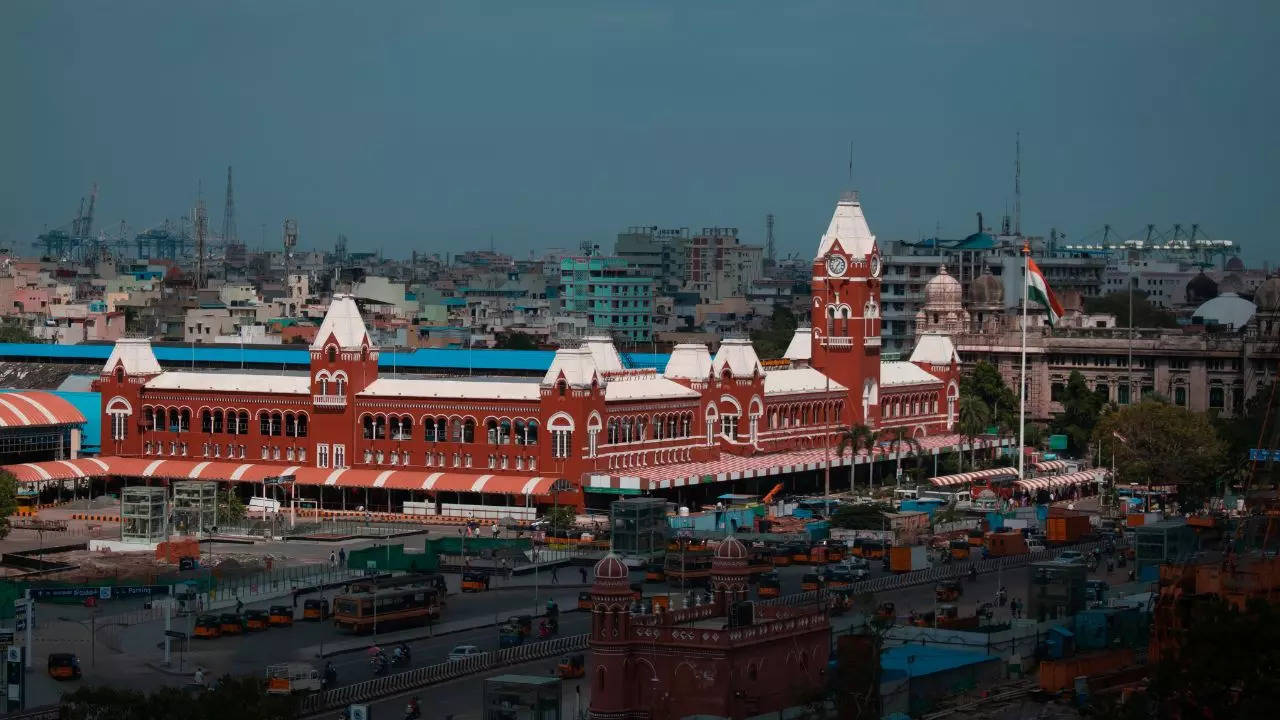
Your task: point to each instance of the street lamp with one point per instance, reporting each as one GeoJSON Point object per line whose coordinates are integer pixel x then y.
{"type": "Point", "coordinates": [92, 627]}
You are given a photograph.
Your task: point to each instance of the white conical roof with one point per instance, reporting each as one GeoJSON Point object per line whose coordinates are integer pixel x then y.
{"type": "Point", "coordinates": [604, 353]}
{"type": "Point", "coordinates": [136, 356]}
{"type": "Point", "coordinates": [801, 347]}
{"type": "Point", "coordinates": [849, 226]}
{"type": "Point", "coordinates": [689, 361]}
{"type": "Point", "coordinates": [344, 323]}
{"type": "Point", "coordinates": [934, 349]}
{"type": "Point", "coordinates": [576, 364]}
{"type": "Point", "coordinates": [739, 356]}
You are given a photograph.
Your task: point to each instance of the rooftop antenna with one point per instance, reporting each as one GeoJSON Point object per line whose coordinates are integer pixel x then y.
{"type": "Point", "coordinates": [1017, 184]}
{"type": "Point", "coordinates": [770, 257]}
{"type": "Point", "coordinates": [201, 228]}
{"type": "Point", "coordinates": [850, 164]}
{"type": "Point", "coordinates": [229, 214]}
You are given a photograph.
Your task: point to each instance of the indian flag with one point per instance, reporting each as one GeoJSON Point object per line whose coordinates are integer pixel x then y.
{"type": "Point", "coordinates": [1038, 290]}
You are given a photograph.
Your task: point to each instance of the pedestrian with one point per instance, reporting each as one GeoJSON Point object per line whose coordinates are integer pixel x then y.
{"type": "Point", "coordinates": [295, 598]}
{"type": "Point", "coordinates": [199, 677]}
{"type": "Point", "coordinates": [502, 569]}
{"type": "Point", "coordinates": [333, 559]}
{"type": "Point", "coordinates": [494, 529]}
{"type": "Point", "coordinates": [583, 572]}
{"type": "Point", "coordinates": [342, 556]}
{"type": "Point", "coordinates": [239, 606]}
{"type": "Point", "coordinates": [555, 574]}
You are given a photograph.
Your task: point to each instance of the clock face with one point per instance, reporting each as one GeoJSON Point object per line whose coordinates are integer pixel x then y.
{"type": "Point", "coordinates": [836, 265]}
{"type": "Point", "coordinates": [875, 266]}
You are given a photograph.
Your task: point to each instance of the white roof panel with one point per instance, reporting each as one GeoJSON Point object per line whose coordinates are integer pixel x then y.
{"type": "Point", "coordinates": [798, 380]}
{"type": "Point", "coordinates": [231, 382]}
{"type": "Point", "coordinates": [739, 356]}
{"type": "Point", "coordinates": [343, 321]}
{"type": "Point", "coordinates": [459, 389]}
{"type": "Point", "coordinates": [934, 349]}
{"type": "Point", "coordinates": [849, 226]}
{"type": "Point", "coordinates": [646, 387]}
{"type": "Point", "coordinates": [905, 373]}
{"type": "Point", "coordinates": [801, 346]}
{"type": "Point", "coordinates": [689, 361]}
{"type": "Point", "coordinates": [136, 356]}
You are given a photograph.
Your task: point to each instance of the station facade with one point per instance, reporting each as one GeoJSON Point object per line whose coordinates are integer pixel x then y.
{"type": "Point", "coordinates": [589, 421]}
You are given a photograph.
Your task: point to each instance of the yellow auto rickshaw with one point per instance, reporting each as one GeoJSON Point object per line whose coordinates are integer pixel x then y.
{"type": "Point", "coordinates": [207, 626]}
{"type": "Point", "coordinates": [315, 609]}
{"type": "Point", "coordinates": [655, 572]}
{"type": "Point", "coordinates": [948, 591]}
{"type": "Point", "coordinates": [230, 624]}
{"type": "Point", "coordinates": [66, 666]}
{"type": "Point", "coordinates": [475, 582]}
{"type": "Point", "coordinates": [769, 585]}
{"type": "Point", "coordinates": [257, 620]}
{"type": "Point", "coordinates": [571, 666]}
{"type": "Point", "coordinates": [281, 615]}
{"type": "Point", "coordinates": [584, 601]}
{"type": "Point", "coordinates": [809, 582]}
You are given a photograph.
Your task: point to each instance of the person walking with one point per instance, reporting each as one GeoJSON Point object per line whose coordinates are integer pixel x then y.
{"type": "Point", "coordinates": [342, 557]}
{"type": "Point", "coordinates": [583, 572]}
{"type": "Point", "coordinates": [555, 574]}
{"type": "Point", "coordinates": [198, 679]}
{"type": "Point", "coordinates": [333, 559]}
{"type": "Point", "coordinates": [495, 529]}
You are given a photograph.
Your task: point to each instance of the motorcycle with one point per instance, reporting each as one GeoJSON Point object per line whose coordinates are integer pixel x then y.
{"type": "Point", "coordinates": [400, 656]}
{"type": "Point", "coordinates": [412, 712]}
{"type": "Point", "coordinates": [380, 664]}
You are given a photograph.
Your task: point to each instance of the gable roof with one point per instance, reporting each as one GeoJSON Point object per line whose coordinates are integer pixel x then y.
{"type": "Point", "coordinates": [934, 349]}
{"type": "Point", "coordinates": [801, 345]}
{"type": "Point", "coordinates": [689, 361]}
{"type": "Point", "coordinates": [344, 323]}
{"type": "Point", "coordinates": [798, 380]}
{"type": "Point", "coordinates": [900, 372]}
{"type": "Point", "coordinates": [604, 354]}
{"type": "Point", "coordinates": [577, 364]}
{"type": "Point", "coordinates": [739, 356]}
{"type": "Point", "coordinates": [136, 356]}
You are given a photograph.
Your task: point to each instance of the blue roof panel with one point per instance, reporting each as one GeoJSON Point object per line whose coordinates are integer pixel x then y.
{"type": "Point", "coordinates": [921, 660]}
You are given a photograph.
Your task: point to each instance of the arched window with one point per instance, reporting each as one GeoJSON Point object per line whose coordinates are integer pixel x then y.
{"type": "Point", "coordinates": [332, 352]}
{"type": "Point", "coordinates": [491, 431]}
{"type": "Point", "coordinates": [206, 421]}
{"type": "Point", "coordinates": [560, 388]}
{"type": "Point", "coordinates": [518, 432]}
{"type": "Point", "coordinates": [264, 423]}
{"type": "Point", "coordinates": [469, 430]}
{"type": "Point", "coordinates": [455, 431]}
{"type": "Point", "coordinates": [290, 428]}
{"type": "Point", "coordinates": [244, 422]}
{"type": "Point", "coordinates": [184, 420]}
{"type": "Point", "coordinates": [504, 432]}
{"type": "Point", "coordinates": [217, 421]}
{"type": "Point", "coordinates": [341, 382]}
{"type": "Point", "coordinates": [277, 423]}
{"type": "Point", "coordinates": [148, 419]}
{"type": "Point", "coordinates": [323, 381]}
{"type": "Point", "coordinates": [561, 427]}
{"type": "Point", "coordinates": [406, 428]}
{"type": "Point", "coordinates": [120, 375]}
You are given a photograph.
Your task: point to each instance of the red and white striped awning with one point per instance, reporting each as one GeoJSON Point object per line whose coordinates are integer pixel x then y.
{"type": "Point", "coordinates": [300, 475]}
{"type": "Point", "coordinates": [1050, 466]}
{"type": "Point", "coordinates": [32, 407]}
{"type": "Point", "coordinates": [970, 477]}
{"type": "Point", "coordinates": [1052, 482]}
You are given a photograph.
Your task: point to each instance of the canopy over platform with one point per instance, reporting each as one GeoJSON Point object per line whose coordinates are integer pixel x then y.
{"type": "Point", "coordinates": [1052, 482]}
{"type": "Point", "coordinates": [971, 477]}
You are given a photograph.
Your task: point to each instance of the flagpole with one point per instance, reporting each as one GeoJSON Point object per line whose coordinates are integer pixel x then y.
{"type": "Point", "coordinates": [1022, 382]}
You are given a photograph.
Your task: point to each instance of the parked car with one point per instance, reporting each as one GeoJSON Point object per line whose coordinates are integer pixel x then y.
{"type": "Point", "coordinates": [462, 652]}
{"type": "Point", "coordinates": [1071, 556]}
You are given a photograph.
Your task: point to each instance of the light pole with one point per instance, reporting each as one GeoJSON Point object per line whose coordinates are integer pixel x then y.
{"type": "Point", "coordinates": [92, 627]}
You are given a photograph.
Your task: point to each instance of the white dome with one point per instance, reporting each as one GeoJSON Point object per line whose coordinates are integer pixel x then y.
{"type": "Point", "coordinates": [1226, 309]}
{"type": "Point", "coordinates": [943, 292]}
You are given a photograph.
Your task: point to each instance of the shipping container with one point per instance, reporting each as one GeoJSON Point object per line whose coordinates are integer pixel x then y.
{"type": "Point", "coordinates": [1005, 544]}
{"type": "Point", "coordinates": [905, 558]}
{"type": "Point", "coordinates": [1067, 528]}
{"type": "Point", "coordinates": [1058, 675]}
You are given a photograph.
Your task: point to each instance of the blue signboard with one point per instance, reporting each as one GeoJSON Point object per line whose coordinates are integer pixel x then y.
{"type": "Point", "coordinates": [1264, 455]}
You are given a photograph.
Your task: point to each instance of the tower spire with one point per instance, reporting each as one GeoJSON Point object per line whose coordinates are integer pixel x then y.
{"type": "Point", "coordinates": [229, 215]}
{"type": "Point", "coordinates": [1017, 184]}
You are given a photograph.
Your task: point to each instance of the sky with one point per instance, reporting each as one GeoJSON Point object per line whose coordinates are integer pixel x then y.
{"type": "Point", "coordinates": [434, 126]}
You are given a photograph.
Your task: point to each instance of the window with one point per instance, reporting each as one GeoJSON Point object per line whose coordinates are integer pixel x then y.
{"type": "Point", "coordinates": [1147, 390]}
{"type": "Point", "coordinates": [339, 456]}
{"type": "Point", "coordinates": [1217, 397]}
{"type": "Point", "coordinates": [729, 426]}
{"type": "Point", "coordinates": [1180, 395]}
{"type": "Point", "coordinates": [332, 352]}
{"type": "Point", "coordinates": [322, 456]}
{"type": "Point", "coordinates": [341, 382]}
{"type": "Point", "coordinates": [561, 441]}
{"type": "Point", "coordinates": [1178, 363]}
{"type": "Point", "coordinates": [1122, 394]}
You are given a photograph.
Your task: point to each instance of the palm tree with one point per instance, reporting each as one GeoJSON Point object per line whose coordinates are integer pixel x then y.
{"type": "Point", "coordinates": [974, 418]}
{"type": "Point", "coordinates": [856, 438]}
{"type": "Point", "coordinates": [903, 438]}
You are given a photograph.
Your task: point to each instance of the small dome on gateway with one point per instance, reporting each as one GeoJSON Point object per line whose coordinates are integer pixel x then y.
{"type": "Point", "coordinates": [611, 567]}
{"type": "Point", "coordinates": [731, 548]}
{"type": "Point", "coordinates": [986, 290]}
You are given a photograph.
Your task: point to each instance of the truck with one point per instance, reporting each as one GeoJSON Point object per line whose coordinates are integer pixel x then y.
{"type": "Point", "coordinates": [1067, 528]}
{"type": "Point", "coordinates": [905, 558]}
{"type": "Point", "coordinates": [289, 678]}
{"type": "Point", "coordinates": [1006, 544]}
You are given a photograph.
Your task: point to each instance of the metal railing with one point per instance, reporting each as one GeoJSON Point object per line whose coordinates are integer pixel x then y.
{"type": "Point", "coordinates": [442, 672]}
{"type": "Point", "coordinates": [329, 400]}
{"type": "Point", "coordinates": [955, 570]}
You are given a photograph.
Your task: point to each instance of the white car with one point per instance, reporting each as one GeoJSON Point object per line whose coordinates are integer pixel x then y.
{"type": "Point", "coordinates": [462, 652]}
{"type": "Point", "coordinates": [1071, 556]}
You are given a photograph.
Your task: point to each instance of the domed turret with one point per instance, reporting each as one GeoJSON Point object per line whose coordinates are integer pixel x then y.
{"type": "Point", "coordinates": [1235, 264]}
{"type": "Point", "coordinates": [731, 548]}
{"type": "Point", "coordinates": [943, 292]}
{"type": "Point", "coordinates": [1201, 288]}
{"type": "Point", "coordinates": [611, 567]}
{"type": "Point", "coordinates": [1267, 298]}
{"type": "Point", "coordinates": [986, 292]}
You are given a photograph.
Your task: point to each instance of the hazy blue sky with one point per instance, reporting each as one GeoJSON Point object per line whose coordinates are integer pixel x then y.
{"type": "Point", "coordinates": [431, 126]}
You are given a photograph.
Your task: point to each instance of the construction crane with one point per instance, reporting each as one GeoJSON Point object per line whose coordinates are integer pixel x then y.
{"type": "Point", "coordinates": [72, 242]}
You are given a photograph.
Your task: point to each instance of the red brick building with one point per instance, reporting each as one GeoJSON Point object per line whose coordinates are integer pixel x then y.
{"type": "Point", "coordinates": [346, 435]}
{"type": "Point", "coordinates": [725, 659]}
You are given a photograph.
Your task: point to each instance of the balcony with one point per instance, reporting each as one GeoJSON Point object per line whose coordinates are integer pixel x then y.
{"type": "Point", "coordinates": [841, 343]}
{"type": "Point", "coordinates": [871, 342]}
{"type": "Point", "coordinates": [329, 401]}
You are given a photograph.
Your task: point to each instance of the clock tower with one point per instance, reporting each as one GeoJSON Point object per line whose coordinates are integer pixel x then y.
{"type": "Point", "coordinates": [845, 309]}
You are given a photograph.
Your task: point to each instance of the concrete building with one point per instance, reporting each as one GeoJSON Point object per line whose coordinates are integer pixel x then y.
{"type": "Point", "coordinates": [719, 266]}
{"type": "Point", "coordinates": [659, 253]}
{"type": "Point", "coordinates": [616, 302]}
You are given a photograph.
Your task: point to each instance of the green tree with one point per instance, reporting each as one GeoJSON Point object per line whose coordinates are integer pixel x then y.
{"type": "Point", "coordinates": [11, 332]}
{"type": "Point", "coordinates": [903, 444]}
{"type": "Point", "coordinates": [855, 439]}
{"type": "Point", "coordinates": [8, 500]}
{"type": "Point", "coordinates": [975, 416]}
{"type": "Point", "coordinates": [1080, 408]}
{"type": "Point", "coordinates": [861, 516]}
{"type": "Point", "coordinates": [242, 698]}
{"type": "Point", "coordinates": [1256, 425]}
{"type": "Point", "coordinates": [561, 517]}
{"type": "Point", "coordinates": [514, 340]}
{"type": "Point", "coordinates": [1145, 315]}
{"type": "Point", "coordinates": [230, 508]}
{"type": "Point", "coordinates": [771, 342]}
{"type": "Point", "coordinates": [985, 383]}
{"type": "Point", "coordinates": [1155, 443]}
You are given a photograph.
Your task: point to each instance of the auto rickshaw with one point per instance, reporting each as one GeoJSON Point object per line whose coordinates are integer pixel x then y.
{"type": "Point", "coordinates": [475, 582]}
{"type": "Point", "coordinates": [207, 626]}
{"type": "Point", "coordinates": [637, 590]}
{"type": "Point", "coordinates": [231, 624]}
{"type": "Point", "coordinates": [959, 549]}
{"type": "Point", "coordinates": [509, 635]}
{"type": "Point", "coordinates": [823, 554]}
{"type": "Point", "coordinates": [948, 591]}
{"type": "Point", "coordinates": [584, 601]}
{"type": "Point", "coordinates": [799, 554]}
{"type": "Point", "coordinates": [257, 620]}
{"type": "Point", "coordinates": [571, 666]}
{"type": "Point", "coordinates": [315, 609]}
{"type": "Point", "coordinates": [64, 666]}
{"type": "Point", "coordinates": [655, 572]}
{"type": "Point", "coordinates": [659, 601]}
{"type": "Point", "coordinates": [522, 623]}
{"type": "Point", "coordinates": [281, 615]}
{"type": "Point", "coordinates": [810, 582]}
{"type": "Point", "coordinates": [885, 614]}
{"type": "Point", "coordinates": [976, 538]}
{"type": "Point", "coordinates": [769, 585]}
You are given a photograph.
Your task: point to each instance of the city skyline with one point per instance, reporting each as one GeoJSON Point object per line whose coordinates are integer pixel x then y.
{"type": "Point", "coordinates": [432, 129]}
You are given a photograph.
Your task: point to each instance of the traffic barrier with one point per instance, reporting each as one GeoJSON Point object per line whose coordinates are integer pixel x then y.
{"type": "Point", "coordinates": [960, 569]}
{"type": "Point", "coordinates": [96, 517]}
{"type": "Point", "coordinates": [442, 672]}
